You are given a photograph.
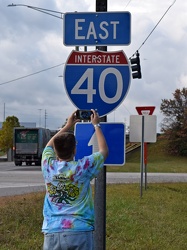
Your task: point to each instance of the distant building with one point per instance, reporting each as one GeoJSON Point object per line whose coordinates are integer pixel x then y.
{"type": "Point", "coordinates": [28, 124]}
{"type": "Point", "coordinates": [24, 124]}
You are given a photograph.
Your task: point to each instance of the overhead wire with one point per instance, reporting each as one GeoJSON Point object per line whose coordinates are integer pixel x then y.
{"type": "Point", "coordinates": [154, 27]}
{"type": "Point", "coordinates": [128, 3]}
{"type": "Point", "coordinates": [45, 11]}
{"type": "Point", "coordinates": [22, 77]}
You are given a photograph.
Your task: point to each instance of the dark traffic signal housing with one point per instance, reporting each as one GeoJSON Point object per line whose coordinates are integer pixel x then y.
{"type": "Point", "coordinates": [135, 66]}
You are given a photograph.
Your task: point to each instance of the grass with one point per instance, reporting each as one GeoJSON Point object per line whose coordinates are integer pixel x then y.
{"type": "Point", "coordinates": [20, 220]}
{"type": "Point", "coordinates": [158, 160]}
{"type": "Point", "coordinates": [157, 221]}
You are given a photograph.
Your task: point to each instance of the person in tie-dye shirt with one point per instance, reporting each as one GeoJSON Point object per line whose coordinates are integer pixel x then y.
{"type": "Point", "coordinates": [68, 206]}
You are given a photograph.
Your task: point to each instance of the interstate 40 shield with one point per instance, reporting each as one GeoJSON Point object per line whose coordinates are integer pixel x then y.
{"type": "Point", "coordinates": [97, 79]}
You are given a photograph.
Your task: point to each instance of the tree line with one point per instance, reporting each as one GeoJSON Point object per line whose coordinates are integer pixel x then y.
{"type": "Point", "coordinates": [174, 124]}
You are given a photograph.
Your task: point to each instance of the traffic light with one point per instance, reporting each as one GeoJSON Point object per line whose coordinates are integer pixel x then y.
{"type": "Point", "coordinates": [135, 66]}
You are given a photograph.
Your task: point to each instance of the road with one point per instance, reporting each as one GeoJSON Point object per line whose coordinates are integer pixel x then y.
{"type": "Point", "coordinates": [16, 180]}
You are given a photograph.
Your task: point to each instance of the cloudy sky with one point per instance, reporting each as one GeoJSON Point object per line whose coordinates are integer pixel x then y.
{"type": "Point", "coordinates": [31, 42]}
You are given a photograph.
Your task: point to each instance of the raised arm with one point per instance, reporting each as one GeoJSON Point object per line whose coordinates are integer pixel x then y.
{"type": "Point", "coordinates": [70, 122]}
{"type": "Point", "coordinates": [103, 147]}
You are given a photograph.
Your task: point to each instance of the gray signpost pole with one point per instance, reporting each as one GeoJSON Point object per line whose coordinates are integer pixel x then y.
{"type": "Point", "coordinates": [142, 157]}
{"type": "Point", "coordinates": [100, 181]}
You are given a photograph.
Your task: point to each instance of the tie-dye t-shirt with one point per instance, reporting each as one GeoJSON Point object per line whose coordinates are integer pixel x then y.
{"type": "Point", "coordinates": [68, 204]}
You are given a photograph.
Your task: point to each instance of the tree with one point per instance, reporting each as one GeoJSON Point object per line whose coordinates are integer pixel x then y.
{"type": "Point", "coordinates": [6, 133]}
{"type": "Point", "coordinates": [174, 124]}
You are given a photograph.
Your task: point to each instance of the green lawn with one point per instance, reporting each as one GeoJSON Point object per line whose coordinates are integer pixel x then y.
{"type": "Point", "coordinates": [158, 160]}
{"type": "Point", "coordinates": [157, 221]}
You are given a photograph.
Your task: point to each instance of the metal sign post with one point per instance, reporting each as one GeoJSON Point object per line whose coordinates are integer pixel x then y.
{"type": "Point", "coordinates": [100, 182]}
{"type": "Point", "coordinates": [142, 158]}
{"type": "Point", "coordinates": [145, 110]}
{"type": "Point", "coordinates": [145, 163]}
{"type": "Point", "coordinates": [142, 129]}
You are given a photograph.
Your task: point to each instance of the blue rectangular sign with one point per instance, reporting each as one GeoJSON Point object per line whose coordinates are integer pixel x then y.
{"type": "Point", "coordinates": [115, 138]}
{"type": "Point", "coordinates": [97, 28]}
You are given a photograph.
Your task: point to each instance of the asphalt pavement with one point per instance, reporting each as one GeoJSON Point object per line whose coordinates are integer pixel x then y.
{"type": "Point", "coordinates": [15, 181]}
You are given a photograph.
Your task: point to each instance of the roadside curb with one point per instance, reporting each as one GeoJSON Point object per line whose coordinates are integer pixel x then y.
{"type": "Point", "coordinates": [3, 159]}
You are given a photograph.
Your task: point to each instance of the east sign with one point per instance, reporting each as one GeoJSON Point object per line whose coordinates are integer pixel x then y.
{"type": "Point", "coordinates": [97, 28]}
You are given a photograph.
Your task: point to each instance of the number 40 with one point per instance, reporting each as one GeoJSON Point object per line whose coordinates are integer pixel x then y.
{"type": "Point", "coordinates": [90, 91]}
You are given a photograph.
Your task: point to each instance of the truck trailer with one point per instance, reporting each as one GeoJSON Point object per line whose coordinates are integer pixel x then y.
{"type": "Point", "coordinates": [29, 144]}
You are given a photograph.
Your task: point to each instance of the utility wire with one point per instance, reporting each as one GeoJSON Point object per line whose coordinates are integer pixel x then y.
{"type": "Point", "coordinates": [155, 27]}
{"type": "Point", "coordinates": [45, 11]}
{"type": "Point", "coordinates": [19, 78]}
{"type": "Point", "coordinates": [128, 3]}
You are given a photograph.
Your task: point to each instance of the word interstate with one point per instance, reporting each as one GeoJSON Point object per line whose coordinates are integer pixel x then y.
{"type": "Point", "coordinates": [97, 59]}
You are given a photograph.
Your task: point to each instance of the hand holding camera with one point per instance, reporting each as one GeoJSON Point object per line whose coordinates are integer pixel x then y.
{"type": "Point", "coordinates": [84, 114]}
{"type": "Point", "coordinates": [88, 115]}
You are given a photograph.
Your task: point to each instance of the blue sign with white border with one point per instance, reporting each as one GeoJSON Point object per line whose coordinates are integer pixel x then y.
{"type": "Point", "coordinates": [97, 28]}
{"type": "Point", "coordinates": [115, 137]}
